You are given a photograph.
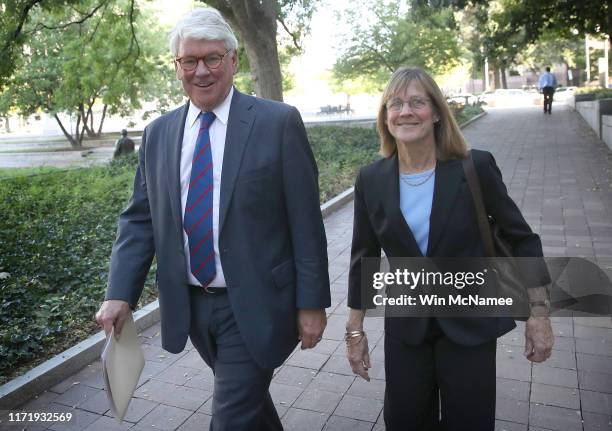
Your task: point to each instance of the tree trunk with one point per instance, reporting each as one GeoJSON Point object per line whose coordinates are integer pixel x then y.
{"type": "Point", "coordinates": [73, 142]}
{"type": "Point", "coordinates": [256, 23]}
{"type": "Point", "coordinates": [485, 78]}
{"type": "Point", "coordinates": [7, 125]}
{"type": "Point", "coordinates": [496, 83]}
{"type": "Point", "coordinates": [263, 58]}
{"type": "Point", "coordinates": [566, 69]}
{"type": "Point", "coordinates": [88, 124]}
{"type": "Point", "coordinates": [504, 81]}
{"type": "Point", "coordinates": [102, 119]}
{"type": "Point", "coordinates": [80, 129]}
{"type": "Point", "coordinates": [86, 118]}
{"type": "Point", "coordinates": [78, 125]}
{"type": "Point", "coordinates": [81, 134]}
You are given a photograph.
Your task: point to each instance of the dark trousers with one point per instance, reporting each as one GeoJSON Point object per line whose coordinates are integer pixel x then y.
{"type": "Point", "coordinates": [439, 385]}
{"type": "Point", "coordinates": [548, 98]}
{"type": "Point", "coordinates": [241, 400]}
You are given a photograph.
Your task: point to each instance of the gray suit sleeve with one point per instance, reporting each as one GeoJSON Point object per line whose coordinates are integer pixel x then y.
{"type": "Point", "coordinates": [134, 247]}
{"type": "Point", "coordinates": [301, 190]}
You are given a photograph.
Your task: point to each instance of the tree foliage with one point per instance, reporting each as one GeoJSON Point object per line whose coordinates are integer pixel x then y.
{"type": "Point", "coordinates": [112, 59]}
{"type": "Point", "coordinates": [257, 23]}
{"type": "Point", "coordinates": [13, 18]}
{"type": "Point", "coordinates": [502, 40]}
{"type": "Point", "coordinates": [551, 48]}
{"type": "Point", "coordinates": [397, 36]}
{"type": "Point", "coordinates": [585, 16]}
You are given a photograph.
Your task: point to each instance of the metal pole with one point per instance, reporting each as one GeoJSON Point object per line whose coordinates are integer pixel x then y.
{"type": "Point", "coordinates": [588, 62]}
{"type": "Point", "coordinates": [606, 43]}
{"type": "Point", "coordinates": [486, 73]}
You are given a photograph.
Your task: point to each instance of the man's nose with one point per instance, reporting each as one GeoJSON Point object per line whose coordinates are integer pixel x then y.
{"type": "Point", "coordinates": [201, 68]}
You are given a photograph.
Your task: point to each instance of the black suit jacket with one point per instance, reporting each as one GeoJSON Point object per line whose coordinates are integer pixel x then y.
{"type": "Point", "coordinates": [379, 224]}
{"type": "Point", "coordinates": [272, 241]}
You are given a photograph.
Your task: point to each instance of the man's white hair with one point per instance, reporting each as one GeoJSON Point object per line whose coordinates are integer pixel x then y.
{"type": "Point", "coordinates": [202, 23]}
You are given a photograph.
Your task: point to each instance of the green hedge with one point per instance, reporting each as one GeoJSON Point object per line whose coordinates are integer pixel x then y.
{"type": "Point", "coordinates": [340, 152]}
{"type": "Point", "coordinates": [598, 92]}
{"type": "Point", "coordinates": [56, 234]}
{"type": "Point", "coordinates": [468, 113]}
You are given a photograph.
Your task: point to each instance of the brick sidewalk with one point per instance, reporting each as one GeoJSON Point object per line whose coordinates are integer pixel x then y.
{"type": "Point", "coordinates": [560, 175]}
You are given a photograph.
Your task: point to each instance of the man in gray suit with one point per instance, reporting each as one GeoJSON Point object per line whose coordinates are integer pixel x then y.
{"type": "Point", "coordinates": [226, 197]}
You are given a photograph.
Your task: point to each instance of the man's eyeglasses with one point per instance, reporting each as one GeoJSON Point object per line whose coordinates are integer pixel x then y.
{"type": "Point", "coordinates": [190, 63]}
{"type": "Point", "coordinates": [416, 103]}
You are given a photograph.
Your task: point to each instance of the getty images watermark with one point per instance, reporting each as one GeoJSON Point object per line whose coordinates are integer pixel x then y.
{"type": "Point", "coordinates": [471, 287]}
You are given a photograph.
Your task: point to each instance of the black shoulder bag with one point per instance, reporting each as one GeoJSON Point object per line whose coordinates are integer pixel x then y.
{"type": "Point", "coordinates": [495, 246]}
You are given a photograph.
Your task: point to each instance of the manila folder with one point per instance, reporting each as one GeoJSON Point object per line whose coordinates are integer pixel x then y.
{"type": "Point", "coordinates": [122, 363]}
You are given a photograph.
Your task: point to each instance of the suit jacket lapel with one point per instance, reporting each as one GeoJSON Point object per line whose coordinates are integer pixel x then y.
{"type": "Point", "coordinates": [449, 176]}
{"type": "Point", "coordinates": [239, 123]}
{"type": "Point", "coordinates": [173, 147]}
{"type": "Point", "coordinates": [391, 203]}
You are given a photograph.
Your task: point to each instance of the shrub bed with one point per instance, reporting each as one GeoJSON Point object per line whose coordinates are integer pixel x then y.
{"type": "Point", "coordinates": [340, 152]}
{"type": "Point", "coordinates": [56, 233]}
{"type": "Point", "coordinates": [597, 92]}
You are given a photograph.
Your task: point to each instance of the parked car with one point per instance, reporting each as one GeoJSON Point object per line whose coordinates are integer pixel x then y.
{"type": "Point", "coordinates": [462, 99]}
{"type": "Point", "coordinates": [509, 97]}
{"type": "Point", "coordinates": [486, 96]}
{"type": "Point", "coordinates": [564, 93]}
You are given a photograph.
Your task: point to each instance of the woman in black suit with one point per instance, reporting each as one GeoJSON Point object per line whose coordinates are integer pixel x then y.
{"type": "Point", "coordinates": [415, 202]}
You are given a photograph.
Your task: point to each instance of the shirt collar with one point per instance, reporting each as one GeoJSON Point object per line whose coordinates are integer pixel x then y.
{"type": "Point", "coordinates": [221, 111]}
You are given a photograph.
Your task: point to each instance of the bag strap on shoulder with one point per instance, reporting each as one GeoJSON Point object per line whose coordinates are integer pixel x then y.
{"type": "Point", "coordinates": [483, 220]}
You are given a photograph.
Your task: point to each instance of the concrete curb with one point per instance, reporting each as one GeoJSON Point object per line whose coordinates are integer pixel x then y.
{"type": "Point", "coordinates": [336, 202]}
{"type": "Point", "coordinates": [58, 368]}
{"type": "Point", "coordinates": [473, 119]}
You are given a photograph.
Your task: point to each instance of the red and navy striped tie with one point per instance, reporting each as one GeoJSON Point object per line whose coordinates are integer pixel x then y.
{"type": "Point", "coordinates": [198, 220]}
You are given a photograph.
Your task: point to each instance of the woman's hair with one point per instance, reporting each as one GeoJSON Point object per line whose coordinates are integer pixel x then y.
{"type": "Point", "coordinates": [202, 23]}
{"type": "Point", "coordinates": [450, 143]}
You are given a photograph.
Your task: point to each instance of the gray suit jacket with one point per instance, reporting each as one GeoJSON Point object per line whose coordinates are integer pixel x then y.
{"type": "Point", "coordinates": [272, 242]}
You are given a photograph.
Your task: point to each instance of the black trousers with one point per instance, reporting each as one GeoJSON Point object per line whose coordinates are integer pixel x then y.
{"type": "Point", "coordinates": [439, 385]}
{"type": "Point", "coordinates": [548, 98]}
{"type": "Point", "coordinates": [241, 400]}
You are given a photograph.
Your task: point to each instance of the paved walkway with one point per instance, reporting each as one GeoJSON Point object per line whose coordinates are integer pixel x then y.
{"type": "Point", "coordinates": [561, 177]}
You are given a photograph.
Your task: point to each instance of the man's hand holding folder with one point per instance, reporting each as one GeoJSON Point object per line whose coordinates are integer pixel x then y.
{"type": "Point", "coordinates": [122, 363]}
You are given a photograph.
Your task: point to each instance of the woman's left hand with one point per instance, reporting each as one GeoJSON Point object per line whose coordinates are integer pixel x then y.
{"type": "Point", "coordinates": [539, 339]}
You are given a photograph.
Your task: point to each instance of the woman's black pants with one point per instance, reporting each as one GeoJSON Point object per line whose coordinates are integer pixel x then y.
{"type": "Point", "coordinates": [439, 385]}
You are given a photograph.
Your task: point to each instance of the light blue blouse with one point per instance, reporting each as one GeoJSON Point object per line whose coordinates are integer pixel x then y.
{"type": "Point", "coordinates": [416, 197]}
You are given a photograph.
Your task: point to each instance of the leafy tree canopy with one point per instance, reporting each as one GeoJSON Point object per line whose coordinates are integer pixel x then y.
{"type": "Point", "coordinates": [397, 35]}
{"type": "Point", "coordinates": [113, 58]}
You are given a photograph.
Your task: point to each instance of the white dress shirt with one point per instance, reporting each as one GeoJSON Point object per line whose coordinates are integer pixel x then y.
{"type": "Point", "coordinates": [217, 131]}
